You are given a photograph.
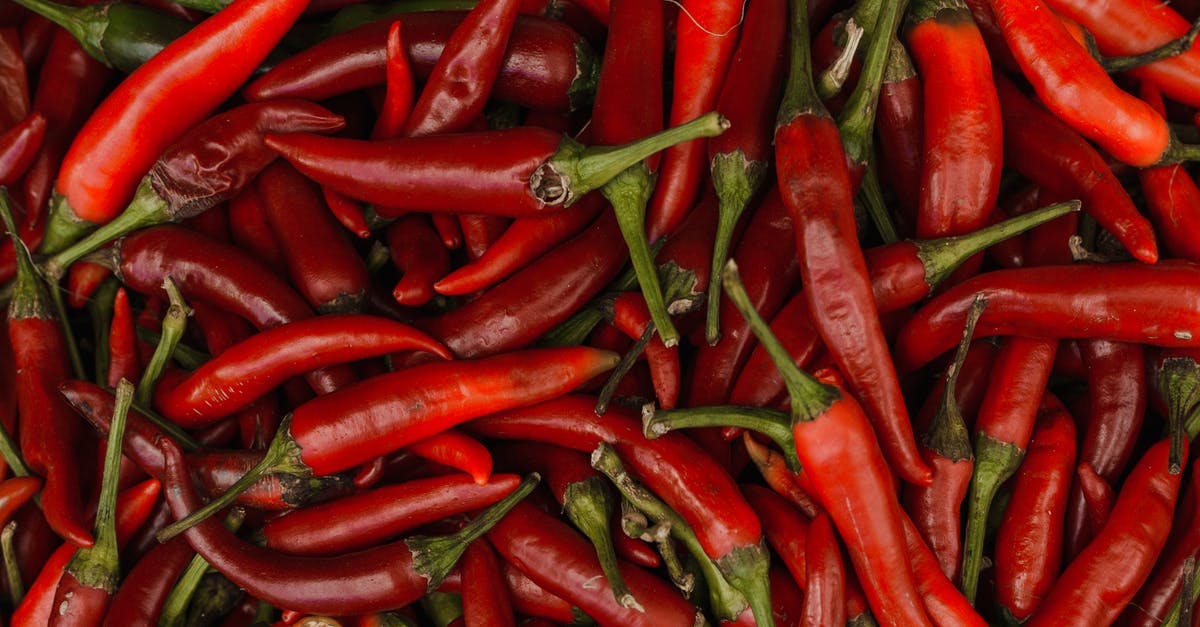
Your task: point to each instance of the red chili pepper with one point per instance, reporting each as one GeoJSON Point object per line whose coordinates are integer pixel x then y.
{"type": "Point", "coordinates": [1098, 497]}
{"type": "Point", "coordinates": [1101, 581]}
{"type": "Point", "coordinates": [400, 90]}
{"type": "Point", "coordinates": [547, 65]}
{"type": "Point", "coordinates": [143, 591]}
{"type": "Point", "coordinates": [122, 343]}
{"type": "Point", "coordinates": [706, 34]}
{"type": "Point", "coordinates": [50, 434]}
{"type": "Point", "coordinates": [901, 124]}
{"type": "Point", "coordinates": [158, 102]}
{"type": "Point", "coordinates": [1172, 197]}
{"type": "Point", "coordinates": [418, 253]}
{"type": "Point", "coordinates": [455, 449]}
{"type": "Point", "coordinates": [815, 186]}
{"type": "Point", "coordinates": [794, 486]}
{"type": "Point", "coordinates": [251, 232]}
{"type": "Point", "coordinates": [523, 242]}
{"type": "Point", "coordinates": [20, 146]}
{"type": "Point", "coordinates": [944, 603]}
{"type": "Point", "coordinates": [1034, 302]}
{"type": "Point", "coordinates": [480, 231]}
{"type": "Point", "coordinates": [786, 529]}
{"type": "Point", "coordinates": [485, 599]}
{"type": "Point", "coordinates": [824, 598]}
{"type": "Point", "coordinates": [631, 316]}
{"type": "Point", "coordinates": [759, 382]}
{"type": "Point", "coordinates": [1029, 546]}
{"type": "Point", "coordinates": [1165, 583]}
{"type": "Point", "coordinates": [14, 96]}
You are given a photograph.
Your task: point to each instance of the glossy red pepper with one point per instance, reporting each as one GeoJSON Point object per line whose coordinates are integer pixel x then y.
{"type": "Point", "coordinates": [1098, 497]}
{"type": "Point", "coordinates": [944, 603]}
{"type": "Point", "coordinates": [250, 231]}
{"type": "Point", "coordinates": [485, 599]}
{"type": "Point", "coordinates": [824, 598]}
{"type": "Point", "coordinates": [20, 146]}
{"type": "Point", "coordinates": [455, 449]}
{"type": "Point", "coordinates": [631, 316]}
{"type": "Point", "coordinates": [785, 527]}
{"type": "Point", "coordinates": [901, 124]}
{"type": "Point", "coordinates": [1163, 587]}
{"type": "Point", "coordinates": [143, 591]}
{"type": "Point", "coordinates": [480, 231]}
{"type": "Point", "coordinates": [122, 343]}
{"type": "Point", "coordinates": [1172, 196]}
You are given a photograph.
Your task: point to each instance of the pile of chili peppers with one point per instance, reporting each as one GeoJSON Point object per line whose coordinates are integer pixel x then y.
{"type": "Point", "coordinates": [625, 312]}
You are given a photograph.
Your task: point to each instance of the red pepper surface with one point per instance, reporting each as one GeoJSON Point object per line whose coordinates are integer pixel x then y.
{"type": "Point", "coordinates": [558, 559]}
{"type": "Point", "coordinates": [143, 592]}
{"type": "Point", "coordinates": [759, 383]}
{"type": "Point", "coordinates": [963, 149]}
{"type": "Point", "coordinates": [631, 316]}
{"type": "Point", "coordinates": [1076, 88]}
{"type": "Point", "coordinates": [547, 66]}
{"type": "Point", "coordinates": [485, 599]}
{"type": "Point", "coordinates": [785, 527]}
{"type": "Point", "coordinates": [824, 598]}
{"type": "Point", "coordinates": [901, 124]}
{"type": "Point", "coordinates": [1125, 27]}
{"type": "Point", "coordinates": [1128, 302]}
{"type": "Point", "coordinates": [454, 449]}
{"type": "Point", "coordinates": [1172, 197]}
{"type": "Point", "coordinates": [1163, 587]}
{"type": "Point", "coordinates": [1098, 584]}
{"type": "Point", "coordinates": [419, 255]}
{"type": "Point", "coordinates": [14, 97]}
{"type": "Point", "coordinates": [944, 603]}
{"type": "Point", "coordinates": [248, 228]}
{"type": "Point", "coordinates": [815, 186]}
{"type": "Point", "coordinates": [1029, 547]}
{"type": "Point", "coordinates": [251, 368]}
{"type": "Point", "coordinates": [1098, 497]}
{"type": "Point", "coordinates": [160, 100]}
{"type": "Point", "coordinates": [705, 40]}
{"type": "Point", "coordinates": [1051, 154]}
{"type": "Point", "coordinates": [20, 146]}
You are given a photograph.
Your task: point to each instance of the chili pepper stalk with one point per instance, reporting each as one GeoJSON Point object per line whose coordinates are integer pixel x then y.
{"type": "Point", "coordinates": [1178, 380]}
{"type": "Point", "coordinates": [174, 609]}
{"type": "Point", "coordinates": [12, 569]}
{"type": "Point", "coordinates": [173, 326]}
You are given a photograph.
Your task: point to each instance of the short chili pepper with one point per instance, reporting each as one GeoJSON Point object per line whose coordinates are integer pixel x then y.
{"type": "Point", "coordinates": [454, 449]}
{"type": "Point", "coordinates": [388, 576]}
{"type": "Point", "coordinates": [1029, 546]}
{"type": "Point", "coordinates": [420, 256]}
{"type": "Point", "coordinates": [379, 415]}
{"type": "Point", "coordinates": [122, 342]}
{"type": "Point", "coordinates": [50, 435]}
{"type": "Point", "coordinates": [815, 186]}
{"type": "Point", "coordinates": [159, 102]}
{"type": "Point", "coordinates": [523, 171]}
{"type": "Point", "coordinates": [1106, 575]}
{"type": "Point", "coordinates": [547, 65]}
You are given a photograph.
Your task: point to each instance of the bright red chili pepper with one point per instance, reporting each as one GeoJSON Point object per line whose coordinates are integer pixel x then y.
{"type": "Point", "coordinates": [901, 124]}
{"type": "Point", "coordinates": [14, 493]}
{"type": "Point", "coordinates": [1098, 584]}
{"type": "Point", "coordinates": [1172, 197]}
{"type": "Point", "coordinates": [122, 343]}
{"type": "Point", "coordinates": [793, 486]}
{"type": "Point", "coordinates": [157, 103]}
{"type": "Point", "coordinates": [485, 599]}
{"type": "Point", "coordinates": [815, 186]}
{"type": "Point", "coordinates": [455, 449]}
{"type": "Point", "coordinates": [1098, 497]}
{"type": "Point", "coordinates": [944, 603]}
{"type": "Point", "coordinates": [1029, 547]}
{"type": "Point", "coordinates": [1162, 588]}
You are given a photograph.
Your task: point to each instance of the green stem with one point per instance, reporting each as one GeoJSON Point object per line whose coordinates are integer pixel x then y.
{"type": "Point", "coordinates": [872, 199]}
{"type": "Point", "coordinates": [635, 525]}
{"type": "Point", "coordinates": [378, 257]}
{"type": "Point", "coordinates": [576, 169]}
{"type": "Point", "coordinates": [207, 6]}
{"type": "Point", "coordinates": [830, 82]}
{"type": "Point", "coordinates": [215, 597]}
{"type": "Point", "coordinates": [810, 398]}
{"type": "Point", "coordinates": [588, 505]}
{"type": "Point", "coordinates": [799, 94]}
{"type": "Point", "coordinates": [948, 435]}
{"type": "Point", "coordinates": [60, 309]}
{"type": "Point", "coordinates": [622, 368]}
{"type": "Point", "coordinates": [1172, 48]}
{"type": "Point", "coordinates": [173, 325]}
{"type": "Point", "coordinates": [628, 193]}
{"type": "Point", "coordinates": [1178, 381]}
{"type": "Point", "coordinates": [63, 227]}
{"type": "Point", "coordinates": [174, 612]}
{"type": "Point", "coordinates": [942, 256]}
{"type": "Point", "coordinates": [12, 570]}
{"type": "Point", "coordinates": [100, 310]}
{"type": "Point", "coordinates": [736, 179]}
{"type": "Point", "coordinates": [995, 462]}
{"type": "Point", "coordinates": [99, 566]}
{"type": "Point", "coordinates": [356, 15]}
{"type": "Point", "coordinates": [856, 121]}
{"type": "Point", "coordinates": [434, 556]}
{"type": "Point", "coordinates": [1181, 609]}
{"type": "Point", "coordinates": [186, 356]}
{"type": "Point", "coordinates": [443, 608]}
{"type": "Point", "coordinates": [85, 24]}
{"type": "Point", "coordinates": [774, 424]}
{"type": "Point", "coordinates": [727, 602]}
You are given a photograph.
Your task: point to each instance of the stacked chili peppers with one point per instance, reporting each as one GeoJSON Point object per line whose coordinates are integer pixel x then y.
{"type": "Point", "coordinates": [370, 322]}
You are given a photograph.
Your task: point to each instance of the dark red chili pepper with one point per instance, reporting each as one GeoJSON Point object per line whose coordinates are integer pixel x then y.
{"type": "Point", "coordinates": [480, 231]}
{"type": "Point", "coordinates": [631, 315]}
{"type": "Point", "coordinates": [901, 124]}
{"type": "Point", "coordinates": [485, 599]}
{"type": "Point", "coordinates": [1098, 497]}
{"type": "Point", "coordinates": [1163, 587]}
{"type": "Point", "coordinates": [785, 527]}
{"type": "Point", "coordinates": [962, 157]}
{"type": "Point", "coordinates": [546, 66]}
{"type": "Point", "coordinates": [143, 592]}
{"type": "Point", "coordinates": [824, 598]}
{"type": "Point", "coordinates": [739, 159]}
{"type": "Point", "coordinates": [158, 103]}
{"type": "Point", "coordinates": [122, 343]}
{"type": "Point", "coordinates": [1052, 155]}
{"type": "Point", "coordinates": [1033, 302]}
{"type": "Point", "coordinates": [251, 368]}
{"type": "Point", "coordinates": [376, 416]}
{"type": "Point", "coordinates": [20, 146]}
{"type": "Point", "coordinates": [209, 164]}
{"type": "Point", "coordinates": [251, 232]}
{"type": "Point", "coordinates": [366, 581]}
{"type": "Point", "coordinates": [1117, 405]}
{"type": "Point", "coordinates": [530, 599]}
{"type": "Point", "coordinates": [14, 96]}
{"type": "Point", "coordinates": [706, 36]}
{"type": "Point", "coordinates": [523, 241]}
{"type": "Point", "coordinates": [1029, 546]}
{"type": "Point", "coordinates": [50, 435]}
{"type": "Point", "coordinates": [523, 171]}
{"type": "Point", "coordinates": [815, 186]}
{"type": "Point", "coordinates": [455, 449]}
{"type": "Point", "coordinates": [1172, 197]}
{"type": "Point", "coordinates": [556, 558]}
{"type": "Point", "coordinates": [418, 253]}
{"type": "Point", "coordinates": [1098, 584]}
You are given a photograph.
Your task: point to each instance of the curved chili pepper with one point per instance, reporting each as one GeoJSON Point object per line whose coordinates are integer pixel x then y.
{"type": "Point", "coordinates": [631, 316]}
{"type": "Point", "coordinates": [523, 241]}
{"type": "Point", "coordinates": [1029, 547]}
{"type": "Point", "coordinates": [455, 449]}
{"type": "Point", "coordinates": [207, 165]}
{"type": "Point", "coordinates": [706, 36]}
{"type": "Point", "coordinates": [1098, 497]}
{"type": "Point", "coordinates": [480, 231]}
{"type": "Point", "coordinates": [418, 253]}
{"type": "Point", "coordinates": [1165, 583]}
{"type": "Point", "coordinates": [523, 171]}
{"type": "Point", "coordinates": [546, 65]}
{"type": "Point", "coordinates": [20, 146]}
{"type": "Point", "coordinates": [944, 603]}
{"type": "Point", "coordinates": [556, 558]}
{"type": "Point", "coordinates": [144, 590]}
{"type": "Point", "coordinates": [399, 92]}
{"type": "Point", "coordinates": [815, 186]}
{"type": "Point", "coordinates": [739, 159]}
{"type": "Point", "coordinates": [1104, 577]}
{"type": "Point", "coordinates": [159, 102]}
{"type": "Point", "coordinates": [122, 342]}
{"type": "Point", "coordinates": [367, 581]}
{"type": "Point", "coordinates": [133, 507]}
{"type": "Point", "coordinates": [962, 156]}
{"type": "Point", "coordinates": [1082, 301]}
{"type": "Point", "coordinates": [343, 429]}
{"type": "Point", "coordinates": [1117, 405]}
{"type": "Point", "coordinates": [50, 435]}
{"type": "Point", "coordinates": [485, 599]}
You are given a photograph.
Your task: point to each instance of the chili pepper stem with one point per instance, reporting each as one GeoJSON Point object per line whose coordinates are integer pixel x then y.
{"type": "Point", "coordinates": [622, 368]}
{"type": "Point", "coordinates": [830, 82]}
{"type": "Point", "coordinates": [943, 255]}
{"type": "Point", "coordinates": [856, 121]}
{"type": "Point", "coordinates": [85, 24]}
{"type": "Point", "coordinates": [747, 569]}
{"type": "Point", "coordinates": [283, 456]}
{"type": "Point", "coordinates": [173, 326]}
{"type": "Point", "coordinates": [735, 178]}
{"type": "Point", "coordinates": [63, 227]}
{"type": "Point", "coordinates": [629, 192]}
{"type": "Point", "coordinates": [99, 565]}
{"type": "Point", "coordinates": [872, 199]}
{"type": "Point", "coordinates": [995, 461]}
{"type": "Point", "coordinates": [1181, 609]}
{"type": "Point", "coordinates": [587, 505]}
{"type": "Point", "coordinates": [774, 424]}
{"type": "Point", "coordinates": [435, 556]}
{"type": "Point", "coordinates": [1179, 383]}
{"type": "Point", "coordinates": [12, 570]}
{"type": "Point", "coordinates": [146, 209]}
{"type": "Point", "coordinates": [948, 435]}
{"type": "Point", "coordinates": [577, 169]}
{"type": "Point", "coordinates": [1175, 47]}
